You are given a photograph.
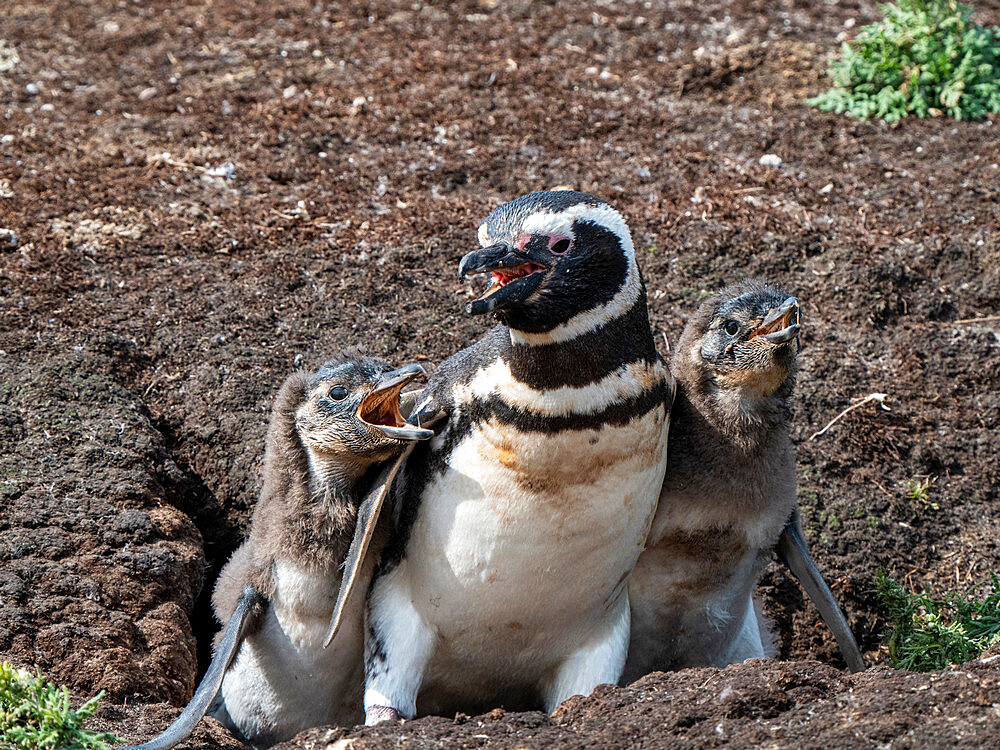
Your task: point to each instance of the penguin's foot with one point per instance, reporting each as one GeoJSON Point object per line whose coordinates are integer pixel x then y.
{"type": "Point", "coordinates": [380, 714]}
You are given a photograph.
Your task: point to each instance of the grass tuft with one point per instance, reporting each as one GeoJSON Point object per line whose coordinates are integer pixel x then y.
{"type": "Point", "coordinates": [919, 491]}
{"type": "Point", "coordinates": [36, 715]}
{"type": "Point", "coordinates": [926, 58]}
{"type": "Point", "coordinates": [929, 634]}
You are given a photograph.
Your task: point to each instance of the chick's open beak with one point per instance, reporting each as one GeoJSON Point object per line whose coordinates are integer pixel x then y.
{"type": "Point", "coordinates": [380, 408]}
{"type": "Point", "coordinates": [781, 324]}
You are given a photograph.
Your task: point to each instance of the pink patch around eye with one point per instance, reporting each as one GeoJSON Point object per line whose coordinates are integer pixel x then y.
{"type": "Point", "coordinates": [555, 239]}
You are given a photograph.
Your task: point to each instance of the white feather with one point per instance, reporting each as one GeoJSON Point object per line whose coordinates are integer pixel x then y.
{"type": "Point", "coordinates": [626, 382]}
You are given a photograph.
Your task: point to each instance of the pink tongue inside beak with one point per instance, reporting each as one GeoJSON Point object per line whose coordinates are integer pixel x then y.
{"type": "Point", "coordinates": [502, 278]}
{"type": "Point", "coordinates": [781, 324]}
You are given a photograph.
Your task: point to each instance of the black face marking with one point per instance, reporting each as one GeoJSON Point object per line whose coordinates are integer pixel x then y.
{"type": "Point", "coordinates": [587, 358]}
{"type": "Point", "coordinates": [584, 271]}
{"type": "Point", "coordinates": [588, 277]}
{"type": "Point", "coordinates": [538, 243]}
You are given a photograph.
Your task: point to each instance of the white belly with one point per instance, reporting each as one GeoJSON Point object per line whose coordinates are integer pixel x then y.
{"type": "Point", "coordinates": [528, 540]}
{"type": "Point", "coordinates": [283, 680]}
{"type": "Point", "coordinates": [691, 588]}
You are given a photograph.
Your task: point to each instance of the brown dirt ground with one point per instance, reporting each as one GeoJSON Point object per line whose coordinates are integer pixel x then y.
{"type": "Point", "coordinates": [149, 307]}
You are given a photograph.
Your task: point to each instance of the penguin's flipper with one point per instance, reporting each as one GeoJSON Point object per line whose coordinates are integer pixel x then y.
{"type": "Point", "coordinates": [364, 530]}
{"type": "Point", "coordinates": [247, 608]}
{"type": "Point", "coordinates": [368, 515]}
{"type": "Point", "coordinates": [794, 553]}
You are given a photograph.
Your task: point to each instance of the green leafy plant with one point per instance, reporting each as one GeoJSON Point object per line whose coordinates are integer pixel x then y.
{"type": "Point", "coordinates": [929, 634]}
{"type": "Point", "coordinates": [919, 491]}
{"type": "Point", "coordinates": [36, 715]}
{"type": "Point", "coordinates": [927, 58]}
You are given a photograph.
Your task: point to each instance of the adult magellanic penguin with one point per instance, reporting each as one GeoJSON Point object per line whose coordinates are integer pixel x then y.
{"type": "Point", "coordinates": [518, 525]}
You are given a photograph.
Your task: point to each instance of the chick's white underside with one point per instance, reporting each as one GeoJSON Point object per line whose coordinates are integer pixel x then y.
{"type": "Point", "coordinates": [691, 592]}
{"type": "Point", "coordinates": [283, 679]}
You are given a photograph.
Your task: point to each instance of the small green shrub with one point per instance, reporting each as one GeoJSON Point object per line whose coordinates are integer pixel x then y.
{"type": "Point", "coordinates": [36, 715]}
{"type": "Point", "coordinates": [929, 634]}
{"type": "Point", "coordinates": [919, 491]}
{"type": "Point", "coordinates": [926, 58]}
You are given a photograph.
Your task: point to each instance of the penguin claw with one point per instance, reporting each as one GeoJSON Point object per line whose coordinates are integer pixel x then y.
{"type": "Point", "coordinates": [380, 715]}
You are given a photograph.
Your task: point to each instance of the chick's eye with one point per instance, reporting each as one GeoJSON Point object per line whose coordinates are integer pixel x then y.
{"type": "Point", "coordinates": [732, 327]}
{"type": "Point", "coordinates": [338, 393]}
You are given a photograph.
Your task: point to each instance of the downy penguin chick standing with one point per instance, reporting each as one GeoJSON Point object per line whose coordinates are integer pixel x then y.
{"type": "Point", "coordinates": [271, 677]}
{"type": "Point", "coordinates": [518, 524]}
{"type": "Point", "coordinates": [729, 491]}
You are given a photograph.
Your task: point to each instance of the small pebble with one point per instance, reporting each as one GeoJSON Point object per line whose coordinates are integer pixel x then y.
{"type": "Point", "coordinates": [31, 89]}
{"type": "Point", "coordinates": [771, 160]}
{"type": "Point", "coordinates": [360, 104]}
{"type": "Point", "coordinates": [226, 170]}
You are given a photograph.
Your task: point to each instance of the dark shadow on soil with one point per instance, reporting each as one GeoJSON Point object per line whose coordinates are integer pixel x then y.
{"type": "Point", "coordinates": [221, 535]}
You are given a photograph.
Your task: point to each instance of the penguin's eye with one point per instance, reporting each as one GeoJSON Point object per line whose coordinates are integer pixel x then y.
{"type": "Point", "coordinates": [338, 393]}
{"type": "Point", "coordinates": [560, 247]}
{"type": "Point", "coordinates": [732, 327]}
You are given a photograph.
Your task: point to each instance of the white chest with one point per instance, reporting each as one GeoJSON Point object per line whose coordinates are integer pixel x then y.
{"type": "Point", "coordinates": [283, 680]}
{"type": "Point", "coordinates": [519, 518]}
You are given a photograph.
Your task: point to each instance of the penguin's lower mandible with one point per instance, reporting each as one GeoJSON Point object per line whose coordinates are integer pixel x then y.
{"type": "Point", "coordinates": [515, 529]}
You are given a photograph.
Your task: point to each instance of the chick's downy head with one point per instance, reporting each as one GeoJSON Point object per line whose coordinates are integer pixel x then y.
{"type": "Point", "coordinates": [743, 339]}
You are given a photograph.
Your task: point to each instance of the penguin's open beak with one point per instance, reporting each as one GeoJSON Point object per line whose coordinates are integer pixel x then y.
{"type": "Point", "coordinates": [514, 275]}
{"type": "Point", "coordinates": [380, 408]}
{"type": "Point", "coordinates": [781, 324]}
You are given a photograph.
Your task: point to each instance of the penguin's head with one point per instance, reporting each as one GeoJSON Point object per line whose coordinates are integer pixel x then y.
{"type": "Point", "coordinates": [742, 339]}
{"type": "Point", "coordinates": [556, 260]}
{"type": "Point", "coordinates": [350, 412]}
